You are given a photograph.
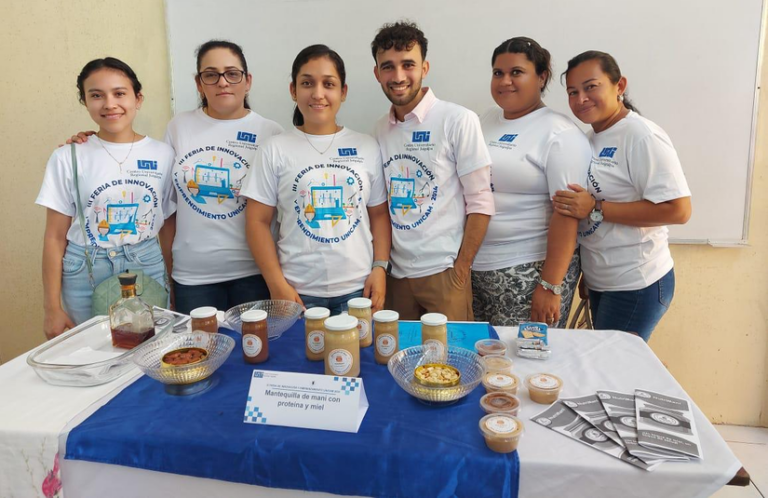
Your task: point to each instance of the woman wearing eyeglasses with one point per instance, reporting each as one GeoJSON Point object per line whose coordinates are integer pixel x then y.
{"type": "Point", "coordinates": [215, 147]}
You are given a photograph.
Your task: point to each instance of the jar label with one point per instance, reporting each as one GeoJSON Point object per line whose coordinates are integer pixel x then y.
{"type": "Point", "coordinates": [544, 382]}
{"type": "Point", "coordinates": [340, 361]}
{"type": "Point", "coordinates": [385, 344]}
{"type": "Point", "coordinates": [501, 380]}
{"type": "Point", "coordinates": [316, 341]}
{"type": "Point", "coordinates": [501, 425]}
{"type": "Point", "coordinates": [434, 346]}
{"type": "Point", "coordinates": [364, 327]}
{"type": "Point", "coordinates": [251, 345]}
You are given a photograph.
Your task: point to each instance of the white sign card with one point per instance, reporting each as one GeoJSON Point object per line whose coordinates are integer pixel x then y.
{"type": "Point", "coordinates": [306, 400]}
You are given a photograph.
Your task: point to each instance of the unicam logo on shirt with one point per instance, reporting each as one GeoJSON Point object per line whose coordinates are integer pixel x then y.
{"type": "Point", "coordinates": [608, 152]}
{"type": "Point", "coordinates": [145, 164]}
{"type": "Point", "coordinates": [508, 138]}
{"type": "Point", "coordinates": [244, 136]}
{"type": "Point", "coordinates": [350, 151]}
{"type": "Point", "coordinates": [420, 137]}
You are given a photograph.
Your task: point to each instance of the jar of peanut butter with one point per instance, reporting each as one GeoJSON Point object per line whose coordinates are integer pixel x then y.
{"type": "Point", "coordinates": [544, 388]}
{"type": "Point", "coordinates": [387, 335]}
{"type": "Point", "coordinates": [204, 318]}
{"type": "Point", "coordinates": [342, 346]}
{"type": "Point", "coordinates": [434, 333]}
{"type": "Point", "coordinates": [360, 307]}
{"type": "Point", "coordinates": [501, 431]}
{"type": "Point", "coordinates": [255, 336]}
{"type": "Point", "coordinates": [314, 332]}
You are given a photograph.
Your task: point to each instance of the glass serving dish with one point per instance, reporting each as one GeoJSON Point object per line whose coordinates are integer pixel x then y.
{"type": "Point", "coordinates": [84, 356]}
{"type": "Point", "coordinates": [403, 364]}
{"type": "Point", "coordinates": [149, 358]}
{"type": "Point", "coordinates": [281, 315]}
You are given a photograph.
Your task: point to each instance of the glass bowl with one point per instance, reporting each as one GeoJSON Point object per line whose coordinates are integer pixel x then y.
{"type": "Point", "coordinates": [281, 315]}
{"type": "Point", "coordinates": [149, 357]}
{"type": "Point", "coordinates": [404, 362]}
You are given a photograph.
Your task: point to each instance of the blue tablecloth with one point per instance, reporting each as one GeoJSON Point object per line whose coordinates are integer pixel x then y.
{"type": "Point", "coordinates": [403, 447]}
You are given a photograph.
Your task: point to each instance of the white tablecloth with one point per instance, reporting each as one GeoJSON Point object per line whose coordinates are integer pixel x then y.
{"type": "Point", "coordinates": [551, 465]}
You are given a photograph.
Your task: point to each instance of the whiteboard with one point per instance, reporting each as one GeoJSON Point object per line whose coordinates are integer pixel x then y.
{"type": "Point", "coordinates": [693, 68]}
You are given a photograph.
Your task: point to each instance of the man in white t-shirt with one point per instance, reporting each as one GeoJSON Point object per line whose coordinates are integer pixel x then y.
{"type": "Point", "coordinates": [437, 169]}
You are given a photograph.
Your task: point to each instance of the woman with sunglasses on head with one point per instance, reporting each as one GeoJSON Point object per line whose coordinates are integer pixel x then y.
{"type": "Point", "coordinates": [104, 220]}
{"type": "Point", "coordinates": [325, 183]}
{"type": "Point", "coordinates": [526, 268]}
{"type": "Point", "coordinates": [636, 187]}
{"type": "Point", "coordinates": [215, 146]}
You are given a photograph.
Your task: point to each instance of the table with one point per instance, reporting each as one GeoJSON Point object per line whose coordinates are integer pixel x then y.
{"type": "Point", "coordinates": [551, 465]}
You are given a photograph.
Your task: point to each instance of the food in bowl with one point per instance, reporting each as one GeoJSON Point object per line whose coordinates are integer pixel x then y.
{"type": "Point", "coordinates": [437, 375]}
{"type": "Point", "coordinates": [183, 356]}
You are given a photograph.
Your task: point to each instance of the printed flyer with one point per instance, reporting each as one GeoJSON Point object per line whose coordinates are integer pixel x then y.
{"type": "Point", "coordinates": [666, 423]}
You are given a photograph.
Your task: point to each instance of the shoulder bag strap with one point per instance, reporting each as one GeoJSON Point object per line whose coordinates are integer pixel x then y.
{"type": "Point", "coordinates": [81, 217]}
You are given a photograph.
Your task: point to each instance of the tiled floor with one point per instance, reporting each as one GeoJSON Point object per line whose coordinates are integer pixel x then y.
{"type": "Point", "coordinates": [750, 445]}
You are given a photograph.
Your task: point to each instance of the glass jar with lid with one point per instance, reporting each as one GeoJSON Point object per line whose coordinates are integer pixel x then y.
{"type": "Point", "coordinates": [360, 308]}
{"type": "Point", "coordinates": [204, 318]}
{"type": "Point", "coordinates": [255, 336]}
{"type": "Point", "coordinates": [342, 346]}
{"type": "Point", "coordinates": [386, 329]}
{"type": "Point", "coordinates": [434, 333]}
{"type": "Point", "coordinates": [314, 332]}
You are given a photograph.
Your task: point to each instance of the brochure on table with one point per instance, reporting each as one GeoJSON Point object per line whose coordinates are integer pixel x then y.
{"type": "Point", "coordinates": [306, 400]}
{"type": "Point", "coordinates": [666, 422]}
{"type": "Point", "coordinates": [591, 410]}
{"type": "Point", "coordinates": [560, 418]}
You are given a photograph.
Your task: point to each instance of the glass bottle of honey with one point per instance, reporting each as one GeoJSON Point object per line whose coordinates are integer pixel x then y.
{"type": "Point", "coordinates": [130, 318]}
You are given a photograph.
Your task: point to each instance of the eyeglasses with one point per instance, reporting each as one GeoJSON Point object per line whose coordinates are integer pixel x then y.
{"type": "Point", "coordinates": [233, 76]}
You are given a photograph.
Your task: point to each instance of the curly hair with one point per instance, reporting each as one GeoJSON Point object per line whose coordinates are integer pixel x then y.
{"type": "Point", "coordinates": [401, 36]}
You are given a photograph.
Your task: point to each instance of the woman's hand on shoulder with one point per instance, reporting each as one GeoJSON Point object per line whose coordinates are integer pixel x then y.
{"type": "Point", "coordinates": [80, 138]}
{"type": "Point", "coordinates": [56, 322]}
{"type": "Point", "coordinates": [576, 202]}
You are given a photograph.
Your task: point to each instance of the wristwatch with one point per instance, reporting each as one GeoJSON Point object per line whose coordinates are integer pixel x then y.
{"type": "Point", "coordinates": [386, 265]}
{"type": "Point", "coordinates": [597, 213]}
{"type": "Point", "coordinates": [556, 289]}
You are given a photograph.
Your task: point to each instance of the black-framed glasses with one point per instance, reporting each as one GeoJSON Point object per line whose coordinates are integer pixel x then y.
{"type": "Point", "coordinates": [233, 76]}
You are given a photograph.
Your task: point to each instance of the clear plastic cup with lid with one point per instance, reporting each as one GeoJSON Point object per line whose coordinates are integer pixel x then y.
{"type": "Point", "coordinates": [497, 363]}
{"type": "Point", "coordinates": [485, 347]}
{"type": "Point", "coordinates": [502, 432]}
{"type": "Point", "coordinates": [500, 382]}
{"type": "Point", "coordinates": [544, 388]}
{"type": "Point", "coordinates": [500, 402]}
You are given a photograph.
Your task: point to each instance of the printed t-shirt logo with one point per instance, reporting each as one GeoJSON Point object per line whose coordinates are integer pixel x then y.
{"type": "Point", "coordinates": [411, 190]}
{"type": "Point", "coordinates": [327, 196]}
{"type": "Point", "coordinates": [244, 136]}
{"type": "Point", "coordinates": [608, 152]}
{"type": "Point", "coordinates": [349, 151]}
{"type": "Point", "coordinates": [146, 164]}
{"type": "Point", "coordinates": [123, 208]}
{"type": "Point", "coordinates": [420, 136]}
{"type": "Point", "coordinates": [508, 138]}
{"type": "Point", "coordinates": [208, 178]}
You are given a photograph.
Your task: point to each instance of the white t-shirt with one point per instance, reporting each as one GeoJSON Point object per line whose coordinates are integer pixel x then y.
{"type": "Point", "coordinates": [423, 161]}
{"type": "Point", "coordinates": [631, 161]}
{"type": "Point", "coordinates": [533, 156]}
{"type": "Point", "coordinates": [324, 243]}
{"type": "Point", "coordinates": [212, 159]}
{"type": "Point", "coordinates": [119, 208]}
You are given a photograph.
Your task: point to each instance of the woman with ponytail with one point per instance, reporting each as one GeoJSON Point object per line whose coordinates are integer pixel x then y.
{"type": "Point", "coordinates": [636, 187]}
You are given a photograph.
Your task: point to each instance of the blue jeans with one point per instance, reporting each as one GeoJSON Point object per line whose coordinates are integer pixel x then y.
{"type": "Point", "coordinates": [633, 311]}
{"type": "Point", "coordinates": [221, 295]}
{"type": "Point", "coordinates": [337, 305]}
{"type": "Point", "coordinates": [76, 289]}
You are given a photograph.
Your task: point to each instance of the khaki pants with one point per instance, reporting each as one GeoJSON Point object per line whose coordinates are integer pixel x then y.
{"type": "Point", "coordinates": [439, 293]}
